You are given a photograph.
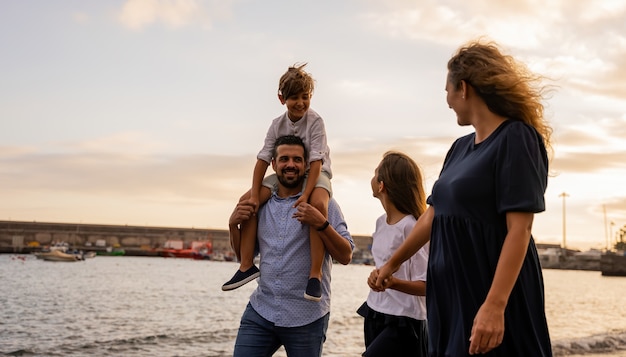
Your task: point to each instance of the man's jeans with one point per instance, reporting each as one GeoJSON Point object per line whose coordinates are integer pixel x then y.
{"type": "Point", "coordinates": [258, 337]}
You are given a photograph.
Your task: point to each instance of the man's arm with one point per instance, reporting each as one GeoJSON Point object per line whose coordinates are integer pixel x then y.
{"type": "Point", "coordinates": [335, 244]}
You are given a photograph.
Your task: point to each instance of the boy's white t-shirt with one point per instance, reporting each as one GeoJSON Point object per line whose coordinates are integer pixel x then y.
{"type": "Point", "coordinates": [312, 131]}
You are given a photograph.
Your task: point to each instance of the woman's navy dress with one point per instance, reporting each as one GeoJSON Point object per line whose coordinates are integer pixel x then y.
{"type": "Point", "coordinates": [477, 186]}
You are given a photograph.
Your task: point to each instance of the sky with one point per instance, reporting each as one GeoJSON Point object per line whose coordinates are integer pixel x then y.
{"type": "Point", "coordinates": [151, 112]}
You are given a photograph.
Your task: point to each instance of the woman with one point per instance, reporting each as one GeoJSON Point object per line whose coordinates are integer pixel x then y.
{"type": "Point", "coordinates": [485, 286]}
{"type": "Point", "coordinates": [395, 317]}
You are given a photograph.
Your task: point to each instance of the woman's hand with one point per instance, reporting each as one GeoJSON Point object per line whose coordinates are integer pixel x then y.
{"type": "Point", "coordinates": [488, 329]}
{"type": "Point", "coordinates": [371, 281]}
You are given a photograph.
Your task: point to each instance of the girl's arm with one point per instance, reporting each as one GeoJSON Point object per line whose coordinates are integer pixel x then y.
{"type": "Point", "coordinates": [416, 287]}
{"type": "Point", "coordinates": [488, 328]}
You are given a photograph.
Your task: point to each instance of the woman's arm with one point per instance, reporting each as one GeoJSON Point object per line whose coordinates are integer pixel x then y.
{"type": "Point", "coordinates": [419, 236]}
{"type": "Point", "coordinates": [488, 328]}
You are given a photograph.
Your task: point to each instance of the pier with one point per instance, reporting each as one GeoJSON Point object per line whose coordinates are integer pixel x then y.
{"type": "Point", "coordinates": [26, 237]}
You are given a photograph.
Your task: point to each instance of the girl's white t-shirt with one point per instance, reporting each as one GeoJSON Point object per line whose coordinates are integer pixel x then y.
{"type": "Point", "coordinates": [386, 240]}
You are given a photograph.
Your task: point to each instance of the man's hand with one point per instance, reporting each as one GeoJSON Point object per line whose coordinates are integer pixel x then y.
{"type": "Point", "coordinates": [242, 212]}
{"type": "Point", "coordinates": [310, 215]}
{"type": "Point", "coordinates": [254, 202]}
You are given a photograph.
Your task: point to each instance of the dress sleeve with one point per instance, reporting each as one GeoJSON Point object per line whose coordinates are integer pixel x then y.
{"type": "Point", "coordinates": [521, 170]}
{"type": "Point", "coordinates": [429, 199]}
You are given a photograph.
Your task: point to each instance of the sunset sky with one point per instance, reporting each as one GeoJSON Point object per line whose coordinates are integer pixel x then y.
{"type": "Point", "coordinates": [151, 112]}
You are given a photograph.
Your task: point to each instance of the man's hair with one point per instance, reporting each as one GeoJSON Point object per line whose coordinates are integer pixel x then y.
{"type": "Point", "coordinates": [289, 140]}
{"type": "Point", "coordinates": [295, 81]}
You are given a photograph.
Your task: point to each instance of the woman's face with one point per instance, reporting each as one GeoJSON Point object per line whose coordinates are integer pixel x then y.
{"type": "Point", "coordinates": [375, 184]}
{"type": "Point", "coordinates": [457, 102]}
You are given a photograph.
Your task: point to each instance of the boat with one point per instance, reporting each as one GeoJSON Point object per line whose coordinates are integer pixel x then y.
{"type": "Point", "coordinates": [613, 264]}
{"type": "Point", "coordinates": [60, 252]}
{"type": "Point", "coordinates": [116, 250]}
{"type": "Point", "coordinates": [199, 250]}
{"type": "Point", "coordinates": [59, 256]}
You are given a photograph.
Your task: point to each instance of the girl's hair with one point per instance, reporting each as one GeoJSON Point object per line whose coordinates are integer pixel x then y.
{"type": "Point", "coordinates": [506, 86]}
{"type": "Point", "coordinates": [295, 81]}
{"type": "Point", "coordinates": [403, 181]}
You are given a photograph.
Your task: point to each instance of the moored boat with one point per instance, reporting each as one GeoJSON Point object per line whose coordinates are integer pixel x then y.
{"type": "Point", "coordinates": [58, 256]}
{"type": "Point", "coordinates": [613, 264]}
{"type": "Point", "coordinates": [199, 250]}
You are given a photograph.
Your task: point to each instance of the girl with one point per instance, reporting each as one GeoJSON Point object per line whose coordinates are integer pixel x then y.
{"type": "Point", "coordinates": [395, 314]}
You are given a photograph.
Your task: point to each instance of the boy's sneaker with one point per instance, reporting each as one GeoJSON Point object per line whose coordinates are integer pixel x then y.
{"type": "Point", "coordinates": [313, 290]}
{"type": "Point", "coordinates": [241, 278]}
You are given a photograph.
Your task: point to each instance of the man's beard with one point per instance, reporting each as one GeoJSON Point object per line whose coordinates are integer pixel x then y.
{"type": "Point", "coordinates": [290, 183]}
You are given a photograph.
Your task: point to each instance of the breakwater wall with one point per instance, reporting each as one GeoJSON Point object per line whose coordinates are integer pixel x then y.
{"type": "Point", "coordinates": [19, 236]}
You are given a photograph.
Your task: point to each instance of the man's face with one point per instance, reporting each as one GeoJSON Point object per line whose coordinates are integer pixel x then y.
{"type": "Point", "coordinates": [289, 165]}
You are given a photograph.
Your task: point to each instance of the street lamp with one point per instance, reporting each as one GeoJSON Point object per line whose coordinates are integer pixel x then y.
{"type": "Point", "coordinates": [611, 231]}
{"type": "Point", "coordinates": [564, 195]}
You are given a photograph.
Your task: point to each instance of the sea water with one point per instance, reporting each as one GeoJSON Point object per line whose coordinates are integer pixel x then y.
{"type": "Point", "coordinates": [140, 306]}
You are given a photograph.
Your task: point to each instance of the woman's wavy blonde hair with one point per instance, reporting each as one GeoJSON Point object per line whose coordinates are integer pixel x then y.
{"type": "Point", "coordinates": [507, 86]}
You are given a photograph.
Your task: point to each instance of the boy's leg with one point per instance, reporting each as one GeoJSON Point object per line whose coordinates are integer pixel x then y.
{"type": "Point", "coordinates": [247, 270]}
{"type": "Point", "coordinates": [319, 199]}
{"type": "Point", "coordinates": [248, 234]}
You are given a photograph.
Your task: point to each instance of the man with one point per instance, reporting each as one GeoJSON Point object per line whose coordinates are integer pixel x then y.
{"type": "Point", "coordinates": [276, 314]}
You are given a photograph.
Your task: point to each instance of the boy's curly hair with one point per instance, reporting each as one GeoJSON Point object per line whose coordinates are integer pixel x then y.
{"type": "Point", "coordinates": [295, 81]}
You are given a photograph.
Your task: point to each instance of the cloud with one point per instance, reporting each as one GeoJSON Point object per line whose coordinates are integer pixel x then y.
{"type": "Point", "coordinates": [80, 17]}
{"type": "Point", "coordinates": [129, 143]}
{"type": "Point", "coordinates": [581, 43]}
{"type": "Point", "coordinates": [138, 14]}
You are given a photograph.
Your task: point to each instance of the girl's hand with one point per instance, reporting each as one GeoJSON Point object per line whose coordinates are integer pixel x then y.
{"type": "Point", "coordinates": [371, 282]}
{"type": "Point", "coordinates": [384, 277]}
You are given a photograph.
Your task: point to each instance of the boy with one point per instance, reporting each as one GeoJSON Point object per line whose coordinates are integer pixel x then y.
{"type": "Point", "coordinates": [295, 89]}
